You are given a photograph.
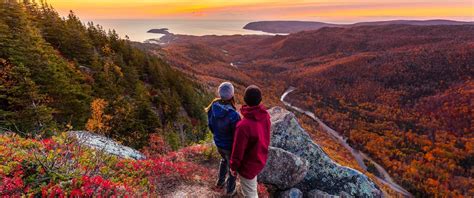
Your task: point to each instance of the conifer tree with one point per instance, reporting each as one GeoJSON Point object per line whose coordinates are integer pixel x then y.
{"type": "Point", "coordinates": [23, 108]}
{"type": "Point", "coordinates": [60, 64]}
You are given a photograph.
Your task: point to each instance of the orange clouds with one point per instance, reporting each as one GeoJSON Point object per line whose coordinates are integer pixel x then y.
{"type": "Point", "coordinates": [268, 9]}
{"type": "Point", "coordinates": [459, 11]}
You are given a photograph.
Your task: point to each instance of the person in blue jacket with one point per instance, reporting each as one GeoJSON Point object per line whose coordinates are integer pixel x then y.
{"type": "Point", "coordinates": [222, 120]}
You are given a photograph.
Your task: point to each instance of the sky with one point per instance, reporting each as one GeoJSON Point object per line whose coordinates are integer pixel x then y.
{"type": "Point", "coordinates": [314, 10]}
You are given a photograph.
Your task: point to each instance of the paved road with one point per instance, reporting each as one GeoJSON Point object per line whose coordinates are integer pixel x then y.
{"type": "Point", "coordinates": [358, 155]}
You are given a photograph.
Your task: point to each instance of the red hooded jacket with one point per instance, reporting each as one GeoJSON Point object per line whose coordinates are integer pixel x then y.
{"type": "Point", "coordinates": [251, 141]}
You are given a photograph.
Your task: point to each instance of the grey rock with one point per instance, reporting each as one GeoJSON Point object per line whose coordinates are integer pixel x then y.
{"type": "Point", "coordinates": [319, 194]}
{"type": "Point", "coordinates": [291, 193]}
{"type": "Point", "coordinates": [105, 144]}
{"type": "Point", "coordinates": [283, 169]}
{"type": "Point", "coordinates": [323, 174]}
{"type": "Point", "coordinates": [345, 195]}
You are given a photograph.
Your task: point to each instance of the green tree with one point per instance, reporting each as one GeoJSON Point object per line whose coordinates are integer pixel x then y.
{"type": "Point", "coordinates": [62, 64]}
{"type": "Point", "coordinates": [23, 108]}
{"type": "Point", "coordinates": [22, 44]}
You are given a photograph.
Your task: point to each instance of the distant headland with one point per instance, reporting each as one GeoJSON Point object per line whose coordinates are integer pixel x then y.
{"type": "Point", "coordinates": [159, 31]}
{"type": "Point", "coordinates": [298, 26]}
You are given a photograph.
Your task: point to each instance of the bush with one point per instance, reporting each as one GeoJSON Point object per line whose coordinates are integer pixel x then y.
{"type": "Point", "coordinates": [157, 146]}
{"type": "Point", "coordinates": [60, 166]}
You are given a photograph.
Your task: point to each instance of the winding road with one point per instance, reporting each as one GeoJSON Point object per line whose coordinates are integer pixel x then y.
{"type": "Point", "coordinates": [359, 156]}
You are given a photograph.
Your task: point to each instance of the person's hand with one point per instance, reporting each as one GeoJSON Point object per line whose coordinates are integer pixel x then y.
{"type": "Point", "coordinates": [233, 173]}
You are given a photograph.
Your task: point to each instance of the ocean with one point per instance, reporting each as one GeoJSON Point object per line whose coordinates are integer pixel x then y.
{"type": "Point", "coordinates": [136, 29]}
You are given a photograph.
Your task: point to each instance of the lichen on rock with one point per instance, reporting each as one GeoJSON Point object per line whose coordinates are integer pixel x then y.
{"type": "Point", "coordinates": [324, 174]}
{"type": "Point", "coordinates": [105, 144]}
{"type": "Point", "coordinates": [283, 169]}
{"type": "Point", "coordinates": [291, 193]}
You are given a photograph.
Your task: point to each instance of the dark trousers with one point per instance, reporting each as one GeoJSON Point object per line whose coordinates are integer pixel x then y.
{"type": "Point", "coordinates": [224, 170]}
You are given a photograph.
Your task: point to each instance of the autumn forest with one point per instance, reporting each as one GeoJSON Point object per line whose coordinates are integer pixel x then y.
{"type": "Point", "coordinates": [403, 94]}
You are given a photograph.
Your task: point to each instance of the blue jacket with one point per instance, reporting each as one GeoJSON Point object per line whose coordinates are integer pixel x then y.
{"type": "Point", "coordinates": [222, 120]}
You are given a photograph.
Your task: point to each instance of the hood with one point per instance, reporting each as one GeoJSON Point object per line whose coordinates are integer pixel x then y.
{"type": "Point", "coordinates": [254, 113]}
{"type": "Point", "coordinates": [220, 110]}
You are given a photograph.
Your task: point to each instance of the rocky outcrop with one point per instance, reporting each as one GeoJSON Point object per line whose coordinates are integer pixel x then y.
{"type": "Point", "coordinates": [283, 169]}
{"type": "Point", "coordinates": [324, 174]}
{"type": "Point", "coordinates": [105, 144]}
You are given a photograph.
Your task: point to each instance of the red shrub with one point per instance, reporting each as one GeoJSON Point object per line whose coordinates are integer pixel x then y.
{"type": "Point", "coordinates": [11, 185]}
{"type": "Point", "coordinates": [157, 147]}
{"type": "Point", "coordinates": [262, 191]}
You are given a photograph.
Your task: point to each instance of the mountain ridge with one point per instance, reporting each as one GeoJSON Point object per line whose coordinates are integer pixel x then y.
{"type": "Point", "coordinates": [287, 27]}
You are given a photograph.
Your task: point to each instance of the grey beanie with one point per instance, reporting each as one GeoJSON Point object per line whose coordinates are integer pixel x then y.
{"type": "Point", "coordinates": [226, 90]}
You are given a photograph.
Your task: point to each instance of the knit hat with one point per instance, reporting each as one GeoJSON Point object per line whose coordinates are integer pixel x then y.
{"type": "Point", "coordinates": [252, 96]}
{"type": "Point", "coordinates": [226, 91]}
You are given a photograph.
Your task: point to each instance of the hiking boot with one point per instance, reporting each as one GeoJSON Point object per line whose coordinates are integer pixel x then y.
{"type": "Point", "coordinates": [220, 184]}
{"type": "Point", "coordinates": [232, 193]}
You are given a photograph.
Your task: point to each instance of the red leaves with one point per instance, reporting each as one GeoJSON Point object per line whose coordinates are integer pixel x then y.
{"type": "Point", "coordinates": [76, 193]}
{"type": "Point", "coordinates": [52, 191]}
{"type": "Point", "coordinates": [95, 185]}
{"type": "Point", "coordinates": [157, 147]}
{"type": "Point", "coordinates": [88, 186]}
{"type": "Point", "coordinates": [170, 169]}
{"type": "Point", "coordinates": [12, 183]}
{"type": "Point", "coordinates": [91, 174]}
{"type": "Point", "coordinates": [48, 143]}
{"type": "Point", "coordinates": [11, 186]}
{"type": "Point", "coordinates": [262, 191]}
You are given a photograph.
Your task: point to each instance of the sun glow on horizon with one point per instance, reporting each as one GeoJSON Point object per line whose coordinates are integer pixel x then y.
{"type": "Point", "coordinates": [349, 10]}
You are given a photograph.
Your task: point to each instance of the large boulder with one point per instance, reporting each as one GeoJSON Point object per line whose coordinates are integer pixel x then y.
{"type": "Point", "coordinates": [283, 169]}
{"type": "Point", "coordinates": [323, 174]}
{"type": "Point", "coordinates": [105, 144]}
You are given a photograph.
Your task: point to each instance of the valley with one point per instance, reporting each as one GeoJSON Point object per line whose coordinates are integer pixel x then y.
{"type": "Point", "coordinates": [379, 109]}
{"type": "Point", "coordinates": [402, 94]}
{"type": "Point", "coordinates": [381, 174]}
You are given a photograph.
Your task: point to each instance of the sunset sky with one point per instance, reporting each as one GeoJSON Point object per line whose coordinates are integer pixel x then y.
{"type": "Point", "coordinates": [324, 10]}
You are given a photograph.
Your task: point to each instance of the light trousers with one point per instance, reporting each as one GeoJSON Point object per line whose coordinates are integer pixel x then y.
{"type": "Point", "coordinates": [249, 187]}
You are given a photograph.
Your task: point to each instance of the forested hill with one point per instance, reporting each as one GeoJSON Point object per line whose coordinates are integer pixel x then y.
{"type": "Point", "coordinates": [403, 94]}
{"type": "Point", "coordinates": [57, 73]}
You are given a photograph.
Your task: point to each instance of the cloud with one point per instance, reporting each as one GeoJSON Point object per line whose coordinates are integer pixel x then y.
{"type": "Point", "coordinates": [268, 9]}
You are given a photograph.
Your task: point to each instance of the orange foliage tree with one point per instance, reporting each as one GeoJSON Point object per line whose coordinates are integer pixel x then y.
{"type": "Point", "coordinates": [99, 121]}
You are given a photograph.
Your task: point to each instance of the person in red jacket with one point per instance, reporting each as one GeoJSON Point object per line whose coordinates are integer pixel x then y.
{"type": "Point", "coordinates": [251, 141]}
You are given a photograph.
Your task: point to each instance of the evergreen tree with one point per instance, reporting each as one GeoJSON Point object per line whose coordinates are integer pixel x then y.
{"type": "Point", "coordinates": [22, 44]}
{"type": "Point", "coordinates": [57, 65]}
{"type": "Point", "coordinates": [23, 108]}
